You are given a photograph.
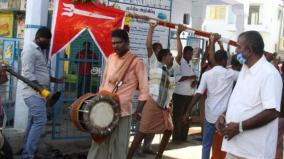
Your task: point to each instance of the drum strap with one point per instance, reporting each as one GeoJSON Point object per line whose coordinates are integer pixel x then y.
{"type": "Point", "coordinates": [122, 75]}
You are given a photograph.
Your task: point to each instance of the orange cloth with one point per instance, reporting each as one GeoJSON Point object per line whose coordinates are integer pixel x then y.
{"type": "Point", "coordinates": [216, 147]}
{"type": "Point", "coordinates": [136, 77]}
{"type": "Point", "coordinates": [123, 68]}
{"type": "Point", "coordinates": [155, 119]}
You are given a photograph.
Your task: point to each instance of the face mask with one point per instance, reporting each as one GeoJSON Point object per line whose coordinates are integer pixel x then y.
{"type": "Point", "coordinates": [241, 58]}
{"type": "Point", "coordinates": [43, 44]}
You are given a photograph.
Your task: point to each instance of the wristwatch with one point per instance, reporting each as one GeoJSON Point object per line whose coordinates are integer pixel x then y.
{"type": "Point", "coordinates": [241, 127]}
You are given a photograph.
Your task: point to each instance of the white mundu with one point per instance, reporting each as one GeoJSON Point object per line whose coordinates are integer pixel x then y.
{"type": "Point", "coordinates": [258, 88]}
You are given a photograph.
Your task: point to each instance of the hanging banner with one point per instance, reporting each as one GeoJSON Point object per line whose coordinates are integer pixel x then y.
{"type": "Point", "coordinates": [72, 19]}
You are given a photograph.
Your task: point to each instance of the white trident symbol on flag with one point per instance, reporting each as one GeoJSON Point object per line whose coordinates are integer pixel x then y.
{"type": "Point", "coordinates": [70, 10]}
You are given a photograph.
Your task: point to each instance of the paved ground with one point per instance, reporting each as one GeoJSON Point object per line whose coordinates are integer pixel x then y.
{"type": "Point", "coordinates": [77, 149]}
{"type": "Point", "coordinates": [189, 150]}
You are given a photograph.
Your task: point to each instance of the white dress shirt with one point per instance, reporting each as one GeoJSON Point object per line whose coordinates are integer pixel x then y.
{"type": "Point", "coordinates": [219, 84]}
{"type": "Point", "coordinates": [258, 88]}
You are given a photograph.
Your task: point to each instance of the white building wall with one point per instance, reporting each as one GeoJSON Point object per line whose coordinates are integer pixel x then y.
{"type": "Point", "coordinates": [220, 26]}
{"type": "Point", "coordinates": [199, 13]}
{"type": "Point", "coordinates": [179, 8]}
{"type": "Point", "coordinates": [269, 28]}
{"type": "Point", "coordinates": [270, 23]}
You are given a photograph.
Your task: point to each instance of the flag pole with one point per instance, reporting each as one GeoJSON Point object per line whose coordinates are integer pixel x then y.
{"type": "Point", "coordinates": [174, 26]}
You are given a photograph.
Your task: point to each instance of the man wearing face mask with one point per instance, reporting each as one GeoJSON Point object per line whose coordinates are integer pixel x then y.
{"type": "Point", "coordinates": [250, 123]}
{"type": "Point", "coordinates": [34, 68]}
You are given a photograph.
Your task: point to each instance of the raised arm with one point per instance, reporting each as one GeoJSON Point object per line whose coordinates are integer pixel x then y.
{"type": "Point", "coordinates": [150, 38]}
{"type": "Point", "coordinates": [180, 29]}
{"type": "Point", "coordinates": [220, 43]}
{"type": "Point", "coordinates": [213, 39]}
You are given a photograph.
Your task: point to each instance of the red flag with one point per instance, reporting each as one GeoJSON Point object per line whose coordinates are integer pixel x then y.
{"type": "Point", "coordinates": [71, 19]}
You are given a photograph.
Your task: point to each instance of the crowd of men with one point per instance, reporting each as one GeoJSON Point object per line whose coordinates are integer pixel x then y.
{"type": "Point", "coordinates": [243, 101]}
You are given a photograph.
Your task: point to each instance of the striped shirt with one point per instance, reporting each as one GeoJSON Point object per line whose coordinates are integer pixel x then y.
{"type": "Point", "coordinates": [161, 85]}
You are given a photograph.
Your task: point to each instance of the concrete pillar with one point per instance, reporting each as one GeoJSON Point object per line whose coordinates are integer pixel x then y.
{"type": "Point", "coordinates": [36, 16]}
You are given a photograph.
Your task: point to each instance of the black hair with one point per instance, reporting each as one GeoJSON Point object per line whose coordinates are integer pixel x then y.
{"type": "Point", "coordinates": [120, 33]}
{"type": "Point", "coordinates": [235, 62]}
{"type": "Point", "coordinates": [187, 49]}
{"type": "Point", "coordinates": [43, 32]}
{"type": "Point", "coordinates": [253, 41]}
{"type": "Point", "coordinates": [162, 53]}
{"type": "Point", "coordinates": [221, 55]}
{"type": "Point", "coordinates": [156, 45]}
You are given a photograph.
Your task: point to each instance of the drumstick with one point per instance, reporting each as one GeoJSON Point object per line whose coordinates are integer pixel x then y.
{"type": "Point", "coordinates": [52, 98]}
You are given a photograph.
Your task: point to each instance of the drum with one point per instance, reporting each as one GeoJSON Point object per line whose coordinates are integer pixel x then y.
{"type": "Point", "coordinates": [97, 113]}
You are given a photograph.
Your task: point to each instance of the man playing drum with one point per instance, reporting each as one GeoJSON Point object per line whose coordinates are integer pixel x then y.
{"type": "Point", "coordinates": [116, 145]}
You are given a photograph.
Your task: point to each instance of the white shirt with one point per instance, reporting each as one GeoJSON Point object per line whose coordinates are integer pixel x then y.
{"type": "Point", "coordinates": [258, 88]}
{"type": "Point", "coordinates": [153, 61]}
{"type": "Point", "coordinates": [184, 87]}
{"type": "Point", "coordinates": [219, 84]}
